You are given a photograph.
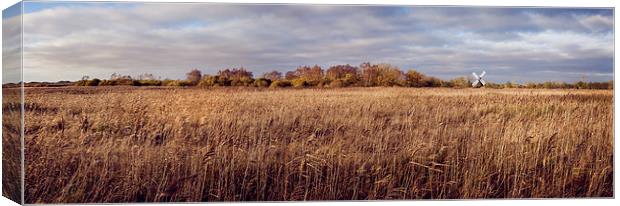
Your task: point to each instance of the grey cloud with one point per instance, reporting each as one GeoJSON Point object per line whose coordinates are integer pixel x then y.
{"type": "Point", "coordinates": [11, 49]}
{"type": "Point", "coordinates": [169, 39]}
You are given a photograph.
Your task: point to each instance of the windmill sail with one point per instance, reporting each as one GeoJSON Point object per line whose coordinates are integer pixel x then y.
{"type": "Point", "coordinates": [478, 79]}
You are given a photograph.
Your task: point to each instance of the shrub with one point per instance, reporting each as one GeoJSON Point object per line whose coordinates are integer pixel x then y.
{"type": "Point", "coordinates": [350, 79]}
{"type": "Point", "coordinates": [322, 83]}
{"type": "Point", "coordinates": [243, 81]}
{"type": "Point", "coordinates": [446, 84]}
{"type": "Point", "coordinates": [347, 72]}
{"type": "Point", "coordinates": [493, 85]}
{"type": "Point", "coordinates": [168, 82]}
{"type": "Point", "coordinates": [177, 83]}
{"type": "Point", "coordinates": [208, 81]}
{"type": "Point", "coordinates": [337, 83]}
{"type": "Point", "coordinates": [273, 75]}
{"type": "Point", "coordinates": [93, 82]}
{"type": "Point", "coordinates": [126, 82]}
{"type": "Point", "coordinates": [107, 83]}
{"type": "Point", "coordinates": [299, 83]}
{"type": "Point", "coordinates": [222, 81]}
{"type": "Point", "coordinates": [194, 76]}
{"type": "Point", "coordinates": [85, 82]}
{"type": "Point", "coordinates": [431, 82]}
{"type": "Point", "coordinates": [460, 82]}
{"type": "Point", "coordinates": [414, 78]}
{"type": "Point", "coordinates": [280, 83]}
{"type": "Point", "coordinates": [531, 85]}
{"type": "Point", "coordinates": [150, 82]}
{"type": "Point", "coordinates": [262, 82]}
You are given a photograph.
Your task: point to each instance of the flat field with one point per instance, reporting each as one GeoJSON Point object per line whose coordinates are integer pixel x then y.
{"type": "Point", "coordinates": [115, 144]}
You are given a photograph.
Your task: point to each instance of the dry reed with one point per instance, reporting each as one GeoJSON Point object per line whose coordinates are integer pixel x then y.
{"type": "Point", "coordinates": [173, 144]}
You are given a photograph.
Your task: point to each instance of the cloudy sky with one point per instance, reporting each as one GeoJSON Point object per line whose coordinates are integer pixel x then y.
{"type": "Point", "coordinates": [64, 41]}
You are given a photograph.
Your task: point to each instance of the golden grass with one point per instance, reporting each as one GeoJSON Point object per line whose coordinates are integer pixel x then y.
{"type": "Point", "coordinates": [173, 144]}
{"type": "Point", "coordinates": [11, 145]}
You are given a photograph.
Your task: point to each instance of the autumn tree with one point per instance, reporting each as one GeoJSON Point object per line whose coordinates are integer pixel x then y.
{"type": "Point", "coordinates": [273, 75]}
{"type": "Point", "coordinates": [414, 78]}
{"type": "Point", "coordinates": [194, 76]}
{"type": "Point", "coordinates": [341, 75]}
{"type": "Point", "coordinates": [381, 75]}
{"type": "Point", "coordinates": [390, 75]}
{"type": "Point", "coordinates": [312, 76]}
{"type": "Point", "coordinates": [369, 74]}
{"type": "Point", "coordinates": [290, 75]}
{"type": "Point", "coordinates": [235, 77]}
{"type": "Point", "coordinates": [340, 72]}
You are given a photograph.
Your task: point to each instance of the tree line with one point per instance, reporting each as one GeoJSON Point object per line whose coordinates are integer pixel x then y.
{"type": "Point", "coordinates": [364, 75]}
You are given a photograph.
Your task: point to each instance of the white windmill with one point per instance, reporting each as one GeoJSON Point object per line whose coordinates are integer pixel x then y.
{"type": "Point", "coordinates": [478, 82]}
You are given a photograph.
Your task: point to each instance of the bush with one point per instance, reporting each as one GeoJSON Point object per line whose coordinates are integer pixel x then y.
{"type": "Point", "coordinates": [460, 82]}
{"type": "Point", "coordinates": [150, 82]}
{"type": "Point", "coordinates": [168, 82]}
{"type": "Point", "coordinates": [93, 82]}
{"type": "Point", "coordinates": [185, 83]}
{"type": "Point", "coordinates": [208, 81]}
{"type": "Point", "coordinates": [280, 84]}
{"type": "Point", "coordinates": [107, 83]}
{"type": "Point", "coordinates": [431, 82]}
{"type": "Point", "coordinates": [337, 83]}
{"type": "Point", "coordinates": [321, 83]}
{"type": "Point", "coordinates": [222, 81]}
{"type": "Point", "coordinates": [299, 83]}
{"type": "Point", "coordinates": [446, 84]}
{"type": "Point", "coordinates": [243, 81]}
{"type": "Point", "coordinates": [126, 82]}
{"type": "Point", "coordinates": [177, 83]}
{"type": "Point", "coordinates": [262, 82]}
{"type": "Point", "coordinates": [194, 76]}
{"type": "Point", "coordinates": [414, 78]}
{"type": "Point", "coordinates": [493, 85]}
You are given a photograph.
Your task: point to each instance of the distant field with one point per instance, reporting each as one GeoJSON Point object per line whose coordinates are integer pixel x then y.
{"type": "Point", "coordinates": [113, 144]}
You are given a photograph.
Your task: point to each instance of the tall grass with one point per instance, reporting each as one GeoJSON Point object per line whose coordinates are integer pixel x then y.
{"type": "Point", "coordinates": [11, 145]}
{"type": "Point", "coordinates": [155, 145]}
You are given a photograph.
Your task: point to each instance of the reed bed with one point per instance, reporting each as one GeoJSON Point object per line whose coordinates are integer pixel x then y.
{"type": "Point", "coordinates": [11, 145]}
{"type": "Point", "coordinates": [94, 145]}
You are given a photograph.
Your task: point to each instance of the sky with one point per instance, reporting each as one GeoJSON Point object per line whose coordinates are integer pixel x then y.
{"type": "Point", "coordinates": [65, 41]}
{"type": "Point", "coordinates": [11, 44]}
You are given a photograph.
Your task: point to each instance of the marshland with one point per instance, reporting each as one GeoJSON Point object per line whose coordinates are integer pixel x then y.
{"type": "Point", "coordinates": [161, 144]}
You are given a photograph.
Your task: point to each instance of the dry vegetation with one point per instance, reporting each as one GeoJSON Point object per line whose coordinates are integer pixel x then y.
{"type": "Point", "coordinates": [11, 158]}
{"type": "Point", "coordinates": [172, 144]}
